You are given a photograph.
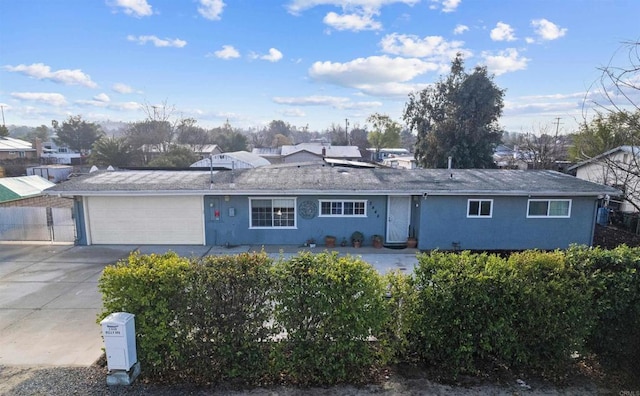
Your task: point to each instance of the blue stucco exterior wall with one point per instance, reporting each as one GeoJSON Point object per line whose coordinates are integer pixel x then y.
{"type": "Point", "coordinates": [444, 222]}
{"type": "Point", "coordinates": [235, 229]}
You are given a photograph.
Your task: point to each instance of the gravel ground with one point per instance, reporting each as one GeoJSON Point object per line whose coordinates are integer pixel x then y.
{"type": "Point", "coordinates": [92, 381]}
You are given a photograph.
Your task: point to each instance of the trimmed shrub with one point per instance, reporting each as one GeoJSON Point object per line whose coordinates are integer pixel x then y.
{"type": "Point", "coordinates": [328, 308]}
{"type": "Point", "coordinates": [151, 287]}
{"type": "Point", "coordinates": [226, 318]}
{"type": "Point", "coordinates": [473, 309]}
{"type": "Point", "coordinates": [552, 315]}
{"type": "Point", "coordinates": [400, 296]}
{"type": "Point", "coordinates": [614, 277]}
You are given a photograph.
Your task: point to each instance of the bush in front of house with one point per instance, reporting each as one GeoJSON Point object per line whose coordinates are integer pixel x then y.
{"type": "Point", "coordinates": [614, 277]}
{"type": "Point", "coordinates": [227, 307]}
{"type": "Point", "coordinates": [151, 287]}
{"type": "Point", "coordinates": [529, 311]}
{"type": "Point", "coordinates": [332, 310]}
{"type": "Point", "coordinates": [324, 319]}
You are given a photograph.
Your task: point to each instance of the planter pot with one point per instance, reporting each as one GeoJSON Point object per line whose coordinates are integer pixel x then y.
{"type": "Point", "coordinates": [377, 244]}
{"type": "Point", "coordinates": [357, 244]}
{"type": "Point", "coordinates": [330, 242]}
{"type": "Point", "coordinates": [412, 243]}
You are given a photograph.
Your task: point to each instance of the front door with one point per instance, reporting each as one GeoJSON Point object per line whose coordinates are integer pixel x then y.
{"type": "Point", "coordinates": [398, 218]}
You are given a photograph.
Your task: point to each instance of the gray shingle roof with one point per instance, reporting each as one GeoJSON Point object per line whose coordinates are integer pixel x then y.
{"type": "Point", "coordinates": [324, 179]}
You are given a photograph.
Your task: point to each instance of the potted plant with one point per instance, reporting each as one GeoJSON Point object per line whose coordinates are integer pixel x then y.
{"type": "Point", "coordinates": [412, 241]}
{"type": "Point", "coordinates": [356, 239]}
{"type": "Point", "coordinates": [344, 242]}
{"type": "Point", "coordinates": [376, 241]}
{"type": "Point", "coordinates": [330, 241]}
{"type": "Point", "coordinates": [311, 242]}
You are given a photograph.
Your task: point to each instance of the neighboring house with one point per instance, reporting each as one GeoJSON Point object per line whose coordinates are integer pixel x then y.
{"type": "Point", "coordinates": [53, 173]}
{"type": "Point", "coordinates": [205, 150]}
{"type": "Point", "coordinates": [233, 160]}
{"type": "Point", "coordinates": [28, 215]}
{"type": "Point", "coordinates": [381, 154]}
{"type": "Point", "coordinates": [618, 167]}
{"type": "Point", "coordinates": [308, 152]}
{"type": "Point", "coordinates": [54, 154]}
{"type": "Point", "coordinates": [11, 148]}
{"type": "Point", "coordinates": [288, 204]}
{"type": "Point", "coordinates": [401, 162]}
{"type": "Point", "coordinates": [15, 188]}
{"type": "Point", "coordinates": [271, 154]}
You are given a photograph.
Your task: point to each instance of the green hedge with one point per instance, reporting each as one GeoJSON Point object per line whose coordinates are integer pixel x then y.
{"type": "Point", "coordinates": [149, 286]}
{"type": "Point", "coordinates": [332, 311]}
{"type": "Point", "coordinates": [325, 319]}
{"type": "Point", "coordinates": [528, 311]}
{"type": "Point", "coordinates": [614, 278]}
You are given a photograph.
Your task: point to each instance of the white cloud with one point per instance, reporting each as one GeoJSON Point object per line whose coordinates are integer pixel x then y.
{"type": "Point", "coordinates": [314, 100]}
{"type": "Point", "coordinates": [129, 106]}
{"type": "Point", "coordinates": [445, 5]}
{"type": "Point", "coordinates": [337, 102]}
{"type": "Point", "coordinates": [211, 9]}
{"type": "Point", "coordinates": [502, 32]}
{"type": "Point", "coordinates": [460, 29]}
{"type": "Point", "coordinates": [227, 52]}
{"type": "Point", "coordinates": [371, 70]}
{"type": "Point", "coordinates": [54, 99]}
{"type": "Point", "coordinates": [41, 71]}
{"type": "Point", "coordinates": [136, 8]}
{"type": "Point", "coordinates": [355, 22]}
{"type": "Point", "coordinates": [547, 30]}
{"type": "Point", "coordinates": [504, 61]}
{"type": "Point", "coordinates": [103, 97]}
{"type": "Point", "coordinates": [177, 43]}
{"type": "Point", "coordinates": [273, 56]}
{"type": "Point", "coordinates": [297, 6]}
{"type": "Point", "coordinates": [428, 47]}
{"type": "Point", "coordinates": [293, 113]}
{"type": "Point", "coordinates": [122, 88]}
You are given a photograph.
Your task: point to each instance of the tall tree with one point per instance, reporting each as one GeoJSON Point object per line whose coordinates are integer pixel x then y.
{"type": "Point", "coordinates": [113, 151]}
{"type": "Point", "coordinates": [4, 131]}
{"type": "Point", "coordinates": [77, 134]}
{"type": "Point", "coordinates": [175, 157]}
{"type": "Point", "coordinates": [457, 117]}
{"type": "Point", "coordinates": [605, 132]}
{"type": "Point", "coordinates": [617, 122]}
{"type": "Point", "coordinates": [358, 137]}
{"type": "Point", "coordinates": [385, 132]}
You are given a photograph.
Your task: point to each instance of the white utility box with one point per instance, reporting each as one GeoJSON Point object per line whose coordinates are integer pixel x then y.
{"type": "Point", "coordinates": [119, 332]}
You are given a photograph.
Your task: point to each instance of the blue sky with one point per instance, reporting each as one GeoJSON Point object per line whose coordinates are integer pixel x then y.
{"type": "Point", "coordinates": [308, 62]}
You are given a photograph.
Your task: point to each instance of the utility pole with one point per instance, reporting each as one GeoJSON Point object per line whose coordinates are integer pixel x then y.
{"type": "Point", "coordinates": [346, 130]}
{"type": "Point", "coordinates": [2, 107]}
{"type": "Point", "coordinates": [557, 125]}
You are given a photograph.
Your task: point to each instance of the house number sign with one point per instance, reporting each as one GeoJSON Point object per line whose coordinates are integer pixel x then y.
{"type": "Point", "coordinates": [308, 209]}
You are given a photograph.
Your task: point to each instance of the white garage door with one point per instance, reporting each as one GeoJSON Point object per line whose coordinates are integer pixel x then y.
{"type": "Point", "coordinates": [145, 220]}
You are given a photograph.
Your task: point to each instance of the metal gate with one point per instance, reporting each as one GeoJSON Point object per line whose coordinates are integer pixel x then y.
{"type": "Point", "coordinates": [37, 224]}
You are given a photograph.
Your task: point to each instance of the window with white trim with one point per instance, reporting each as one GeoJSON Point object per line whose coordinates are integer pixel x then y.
{"type": "Point", "coordinates": [272, 212]}
{"type": "Point", "coordinates": [479, 207]}
{"type": "Point", "coordinates": [549, 208]}
{"type": "Point", "coordinates": [343, 208]}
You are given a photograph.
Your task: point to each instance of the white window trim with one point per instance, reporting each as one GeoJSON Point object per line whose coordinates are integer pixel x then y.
{"type": "Point", "coordinates": [480, 201]}
{"type": "Point", "coordinates": [547, 216]}
{"type": "Point", "coordinates": [295, 213]}
{"type": "Point", "coordinates": [320, 201]}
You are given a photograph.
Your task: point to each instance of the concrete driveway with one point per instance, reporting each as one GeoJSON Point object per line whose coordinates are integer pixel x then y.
{"type": "Point", "coordinates": [49, 299]}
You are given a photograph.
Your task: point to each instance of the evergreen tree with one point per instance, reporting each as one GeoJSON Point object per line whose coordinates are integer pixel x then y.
{"type": "Point", "coordinates": [457, 117]}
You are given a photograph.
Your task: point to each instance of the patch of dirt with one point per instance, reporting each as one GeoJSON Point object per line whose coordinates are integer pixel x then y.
{"type": "Point", "coordinates": [609, 237]}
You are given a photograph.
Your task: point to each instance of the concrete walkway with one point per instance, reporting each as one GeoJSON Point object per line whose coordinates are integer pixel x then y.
{"type": "Point", "coordinates": [49, 299]}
